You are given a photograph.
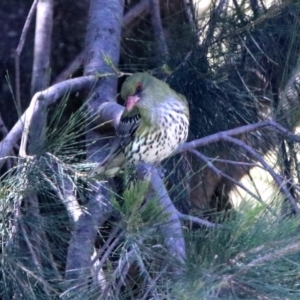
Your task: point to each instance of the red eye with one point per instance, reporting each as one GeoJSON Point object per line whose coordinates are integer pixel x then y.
{"type": "Point", "coordinates": [139, 88]}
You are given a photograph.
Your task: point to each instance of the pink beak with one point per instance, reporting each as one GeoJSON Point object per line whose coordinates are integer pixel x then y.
{"type": "Point", "coordinates": [131, 101]}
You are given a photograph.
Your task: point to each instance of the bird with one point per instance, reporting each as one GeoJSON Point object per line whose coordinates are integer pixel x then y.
{"type": "Point", "coordinates": [154, 123]}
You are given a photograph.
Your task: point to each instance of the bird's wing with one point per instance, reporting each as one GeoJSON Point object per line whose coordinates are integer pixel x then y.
{"type": "Point", "coordinates": [125, 133]}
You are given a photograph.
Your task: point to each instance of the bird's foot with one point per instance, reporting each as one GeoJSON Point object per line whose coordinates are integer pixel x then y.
{"type": "Point", "coordinates": [161, 171]}
{"type": "Point", "coordinates": [144, 170]}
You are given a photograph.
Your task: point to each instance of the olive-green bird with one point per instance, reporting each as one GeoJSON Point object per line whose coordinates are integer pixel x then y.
{"type": "Point", "coordinates": [154, 123]}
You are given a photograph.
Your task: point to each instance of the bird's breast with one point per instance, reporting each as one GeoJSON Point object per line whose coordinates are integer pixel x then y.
{"type": "Point", "coordinates": [152, 144]}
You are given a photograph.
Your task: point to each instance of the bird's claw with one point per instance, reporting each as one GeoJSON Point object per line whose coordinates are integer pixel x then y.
{"type": "Point", "coordinates": [161, 171]}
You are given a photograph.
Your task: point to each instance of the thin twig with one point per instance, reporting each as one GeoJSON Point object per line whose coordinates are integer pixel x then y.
{"type": "Point", "coordinates": [33, 275]}
{"type": "Point", "coordinates": [233, 162]}
{"type": "Point", "coordinates": [3, 128]}
{"type": "Point", "coordinates": [121, 271]}
{"type": "Point", "coordinates": [28, 118]}
{"type": "Point", "coordinates": [153, 283]}
{"type": "Point", "coordinates": [66, 188]}
{"type": "Point", "coordinates": [290, 249]}
{"type": "Point", "coordinates": [36, 261]}
{"type": "Point", "coordinates": [50, 258]}
{"type": "Point", "coordinates": [198, 220]}
{"type": "Point", "coordinates": [136, 11]}
{"type": "Point", "coordinates": [18, 53]}
{"type": "Point", "coordinates": [218, 172]}
{"type": "Point", "coordinates": [71, 68]}
{"type": "Point", "coordinates": [236, 131]}
{"type": "Point", "coordinates": [226, 136]}
{"type": "Point", "coordinates": [278, 179]}
{"type": "Point", "coordinates": [110, 249]}
{"type": "Point", "coordinates": [72, 206]}
{"type": "Point", "coordinates": [112, 236]}
{"type": "Point", "coordinates": [162, 48]}
{"type": "Point", "coordinates": [144, 271]}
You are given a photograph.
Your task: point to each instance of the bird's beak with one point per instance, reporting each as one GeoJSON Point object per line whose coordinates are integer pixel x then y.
{"type": "Point", "coordinates": [131, 101]}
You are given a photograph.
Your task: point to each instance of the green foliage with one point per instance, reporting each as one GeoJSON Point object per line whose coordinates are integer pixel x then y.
{"type": "Point", "coordinates": [136, 211]}
{"type": "Point", "coordinates": [253, 256]}
{"type": "Point", "coordinates": [65, 135]}
{"type": "Point", "coordinates": [36, 210]}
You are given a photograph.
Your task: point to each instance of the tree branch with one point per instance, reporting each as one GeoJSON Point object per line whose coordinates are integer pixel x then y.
{"type": "Point", "coordinates": [18, 53]}
{"type": "Point", "coordinates": [42, 46]}
{"type": "Point", "coordinates": [197, 220]}
{"type": "Point", "coordinates": [102, 41]}
{"type": "Point", "coordinates": [79, 259]}
{"type": "Point", "coordinates": [162, 48]}
{"type": "Point", "coordinates": [43, 98]}
{"type": "Point", "coordinates": [171, 229]}
{"type": "Point", "coordinates": [136, 11]}
{"type": "Point", "coordinates": [236, 131]}
{"type": "Point", "coordinates": [281, 184]}
{"type": "Point", "coordinates": [71, 68]}
{"type": "Point", "coordinates": [218, 172]}
{"type": "Point", "coordinates": [129, 17]}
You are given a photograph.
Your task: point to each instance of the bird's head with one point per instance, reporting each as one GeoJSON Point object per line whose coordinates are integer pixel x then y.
{"type": "Point", "coordinates": [143, 91]}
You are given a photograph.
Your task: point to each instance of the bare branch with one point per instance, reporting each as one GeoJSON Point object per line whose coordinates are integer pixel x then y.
{"type": "Point", "coordinates": [71, 68]}
{"type": "Point", "coordinates": [110, 248]}
{"type": "Point", "coordinates": [236, 131]}
{"type": "Point", "coordinates": [197, 220]}
{"type": "Point", "coordinates": [129, 17]}
{"type": "Point", "coordinates": [218, 172]}
{"type": "Point", "coordinates": [110, 113]}
{"type": "Point", "coordinates": [189, 13]}
{"type": "Point", "coordinates": [162, 48]}
{"type": "Point", "coordinates": [171, 229]}
{"type": "Point", "coordinates": [18, 53]}
{"type": "Point", "coordinates": [152, 283]}
{"type": "Point", "coordinates": [102, 41]}
{"type": "Point", "coordinates": [99, 48]}
{"type": "Point", "coordinates": [121, 271]}
{"type": "Point", "coordinates": [33, 275]}
{"type": "Point", "coordinates": [134, 12]}
{"type": "Point", "coordinates": [278, 179]}
{"type": "Point", "coordinates": [79, 260]}
{"type": "Point", "coordinates": [226, 136]}
{"type": "Point", "coordinates": [112, 236]}
{"type": "Point", "coordinates": [3, 128]}
{"type": "Point", "coordinates": [275, 255]}
{"type": "Point", "coordinates": [42, 46]}
{"type": "Point", "coordinates": [44, 98]}
{"type": "Point", "coordinates": [4, 131]}
{"type": "Point", "coordinates": [233, 162]}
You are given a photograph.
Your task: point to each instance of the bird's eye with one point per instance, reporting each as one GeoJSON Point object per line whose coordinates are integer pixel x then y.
{"type": "Point", "coordinates": [139, 88]}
